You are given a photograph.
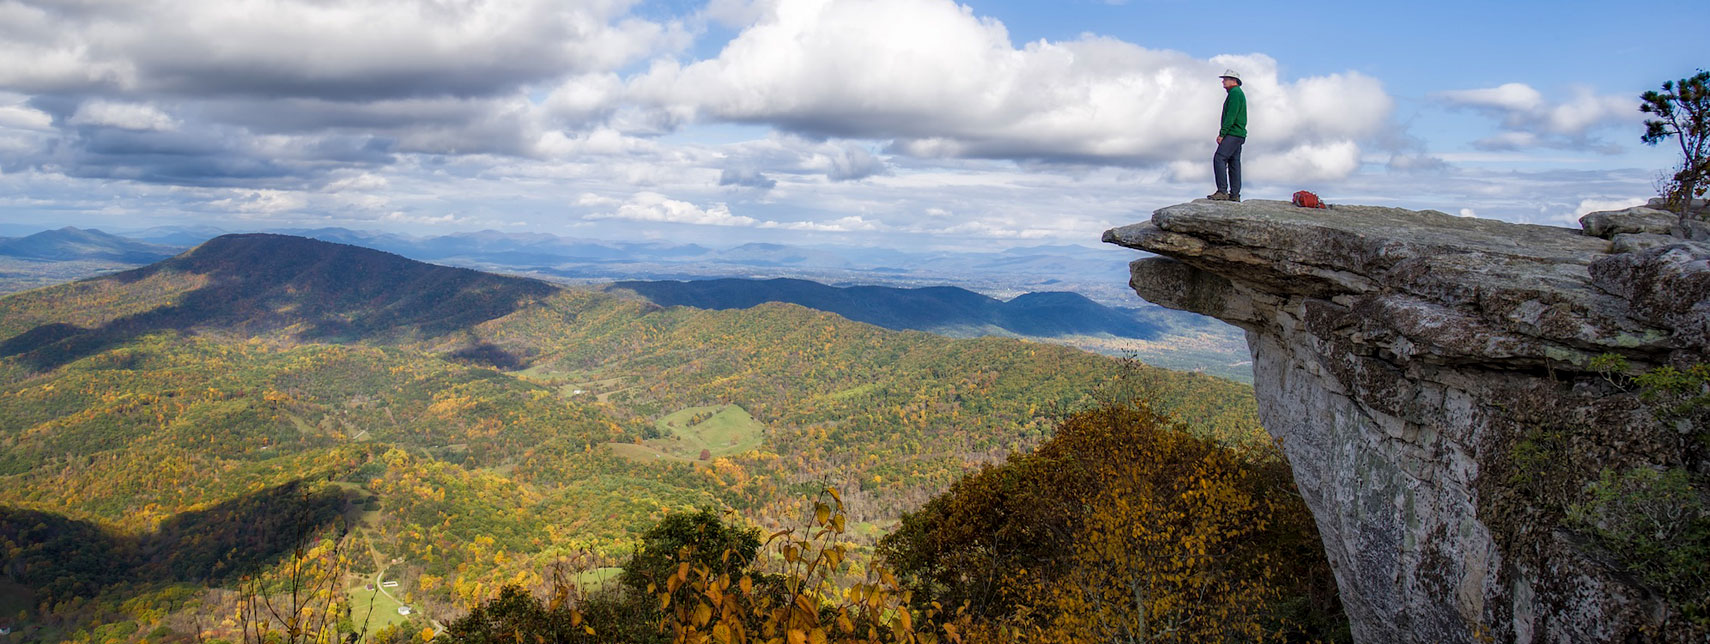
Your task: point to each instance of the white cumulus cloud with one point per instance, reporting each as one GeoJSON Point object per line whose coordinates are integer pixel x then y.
{"type": "Point", "coordinates": [358, 182]}
{"type": "Point", "coordinates": [1599, 204]}
{"type": "Point", "coordinates": [1508, 97]}
{"type": "Point", "coordinates": [23, 117]}
{"type": "Point", "coordinates": [362, 48]}
{"type": "Point", "coordinates": [655, 207]}
{"type": "Point", "coordinates": [261, 202]}
{"type": "Point", "coordinates": [938, 81]}
{"type": "Point", "coordinates": [851, 223]}
{"type": "Point", "coordinates": [1529, 120]}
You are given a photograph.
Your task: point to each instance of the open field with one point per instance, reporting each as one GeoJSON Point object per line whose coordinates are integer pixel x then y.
{"type": "Point", "coordinates": [721, 430]}
{"type": "Point", "coordinates": [592, 580]}
{"type": "Point", "coordinates": [385, 611]}
{"type": "Point", "coordinates": [645, 453]}
{"type": "Point", "coordinates": [729, 430]}
{"type": "Point", "coordinates": [575, 383]}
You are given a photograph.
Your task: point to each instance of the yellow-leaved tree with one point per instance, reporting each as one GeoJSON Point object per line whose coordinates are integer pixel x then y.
{"type": "Point", "coordinates": [1124, 528]}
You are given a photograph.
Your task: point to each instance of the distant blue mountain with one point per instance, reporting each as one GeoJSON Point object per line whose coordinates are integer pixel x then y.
{"type": "Point", "coordinates": [937, 309]}
{"type": "Point", "coordinates": [180, 236]}
{"type": "Point", "coordinates": [70, 243]}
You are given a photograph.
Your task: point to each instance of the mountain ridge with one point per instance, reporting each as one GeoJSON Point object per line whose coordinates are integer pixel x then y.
{"type": "Point", "coordinates": [939, 309]}
{"type": "Point", "coordinates": [71, 243]}
{"type": "Point", "coordinates": [1158, 335]}
{"type": "Point", "coordinates": [249, 281]}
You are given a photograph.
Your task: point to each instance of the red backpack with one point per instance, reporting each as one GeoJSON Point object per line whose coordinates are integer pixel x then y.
{"type": "Point", "coordinates": [1306, 199]}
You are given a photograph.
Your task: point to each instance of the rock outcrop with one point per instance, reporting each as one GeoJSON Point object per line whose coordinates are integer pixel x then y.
{"type": "Point", "coordinates": [1431, 380]}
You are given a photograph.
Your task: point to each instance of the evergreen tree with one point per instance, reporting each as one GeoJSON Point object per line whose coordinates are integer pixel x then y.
{"type": "Point", "coordinates": [1683, 112]}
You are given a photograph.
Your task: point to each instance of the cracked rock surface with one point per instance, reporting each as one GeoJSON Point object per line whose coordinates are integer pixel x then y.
{"type": "Point", "coordinates": [1401, 356]}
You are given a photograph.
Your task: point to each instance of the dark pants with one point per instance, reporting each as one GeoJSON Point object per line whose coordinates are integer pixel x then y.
{"type": "Point", "coordinates": [1226, 165]}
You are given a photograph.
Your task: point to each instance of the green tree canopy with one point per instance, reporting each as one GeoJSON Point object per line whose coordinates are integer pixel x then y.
{"type": "Point", "coordinates": [1682, 109]}
{"type": "Point", "coordinates": [707, 538]}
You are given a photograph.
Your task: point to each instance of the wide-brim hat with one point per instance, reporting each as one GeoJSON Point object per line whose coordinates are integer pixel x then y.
{"type": "Point", "coordinates": [1230, 73]}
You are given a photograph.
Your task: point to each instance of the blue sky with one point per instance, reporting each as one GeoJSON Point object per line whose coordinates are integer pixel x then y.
{"type": "Point", "coordinates": [907, 123]}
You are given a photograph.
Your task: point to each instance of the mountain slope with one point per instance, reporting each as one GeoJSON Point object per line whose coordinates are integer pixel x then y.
{"type": "Point", "coordinates": [258, 283]}
{"type": "Point", "coordinates": [70, 243]}
{"type": "Point", "coordinates": [938, 309]}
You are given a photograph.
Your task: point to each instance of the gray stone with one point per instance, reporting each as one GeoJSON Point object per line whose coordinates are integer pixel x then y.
{"type": "Point", "coordinates": [1638, 219]}
{"type": "Point", "coordinates": [1635, 242]}
{"type": "Point", "coordinates": [1398, 356]}
{"type": "Point", "coordinates": [1698, 205]}
{"type": "Point", "coordinates": [1693, 230]}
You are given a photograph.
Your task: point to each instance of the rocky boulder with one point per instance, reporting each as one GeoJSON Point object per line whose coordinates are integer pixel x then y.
{"type": "Point", "coordinates": [1431, 379]}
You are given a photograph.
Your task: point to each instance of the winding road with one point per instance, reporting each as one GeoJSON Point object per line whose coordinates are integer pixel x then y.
{"type": "Point", "coordinates": [380, 577]}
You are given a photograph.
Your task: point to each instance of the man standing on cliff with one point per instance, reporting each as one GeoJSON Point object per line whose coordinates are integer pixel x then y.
{"type": "Point", "coordinates": [1226, 163]}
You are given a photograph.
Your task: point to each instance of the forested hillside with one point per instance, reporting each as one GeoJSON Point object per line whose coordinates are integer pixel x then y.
{"type": "Point", "coordinates": [942, 309]}
{"type": "Point", "coordinates": [468, 430]}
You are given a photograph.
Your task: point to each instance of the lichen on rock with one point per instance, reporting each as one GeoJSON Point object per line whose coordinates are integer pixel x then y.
{"type": "Point", "coordinates": [1431, 379]}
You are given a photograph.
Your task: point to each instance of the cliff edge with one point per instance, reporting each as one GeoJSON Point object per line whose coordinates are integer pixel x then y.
{"type": "Point", "coordinates": [1432, 380]}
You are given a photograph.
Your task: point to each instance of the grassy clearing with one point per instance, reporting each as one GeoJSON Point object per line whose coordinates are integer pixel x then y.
{"type": "Point", "coordinates": [728, 430]}
{"type": "Point", "coordinates": [644, 453]}
{"type": "Point", "coordinates": [872, 529]}
{"type": "Point", "coordinates": [385, 608]}
{"type": "Point", "coordinates": [600, 389]}
{"type": "Point", "coordinates": [721, 430]}
{"type": "Point", "coordinates": [542, 371]}
{"type": "Point", "coordinates": [596, 579]}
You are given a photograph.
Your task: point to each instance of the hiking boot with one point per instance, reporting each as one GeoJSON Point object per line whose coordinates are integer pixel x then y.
{"type": "Point", "coordinates": [1235, 197]}
{"type": "Point", "coordinates": [1218, 196]}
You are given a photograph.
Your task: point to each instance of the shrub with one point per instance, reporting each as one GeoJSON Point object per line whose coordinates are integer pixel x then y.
{"type": "Point", "coordinates": [804, 590]}
{"type": "Point", "coordinates": [1657, 522]}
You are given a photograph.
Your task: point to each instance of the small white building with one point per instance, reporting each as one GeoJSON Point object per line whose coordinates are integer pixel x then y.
{"type": "Point", "coordinates": [390, 584]}
{"type": "Point", "coordinates": [403, 610]}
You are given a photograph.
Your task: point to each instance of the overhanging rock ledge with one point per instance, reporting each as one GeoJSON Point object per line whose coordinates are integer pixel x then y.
{"type": "Point", "coordinates": [1400, 357]}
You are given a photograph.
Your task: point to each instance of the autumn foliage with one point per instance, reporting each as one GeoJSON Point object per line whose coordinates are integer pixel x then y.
{"type": "Point", "coordinates": [471, 430]}
{"type": "Point", "coordinates": [1124, 527]}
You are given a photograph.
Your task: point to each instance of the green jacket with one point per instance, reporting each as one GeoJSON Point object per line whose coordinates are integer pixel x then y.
{"type": "Point", "coordinates": [1234, 114]}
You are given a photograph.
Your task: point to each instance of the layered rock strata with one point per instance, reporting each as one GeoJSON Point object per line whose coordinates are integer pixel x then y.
{"type": "Point", "coordinates": [1429, 377]}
